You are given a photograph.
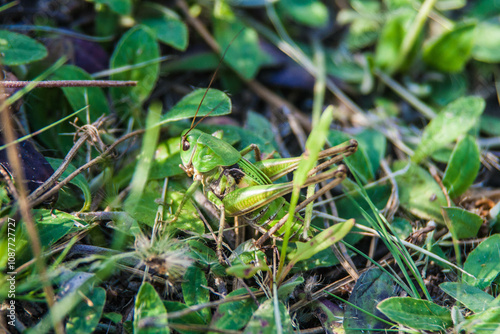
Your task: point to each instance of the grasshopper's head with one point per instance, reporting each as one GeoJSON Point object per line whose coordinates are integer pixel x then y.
{"type": "Point", "coordinates": [189, 144]}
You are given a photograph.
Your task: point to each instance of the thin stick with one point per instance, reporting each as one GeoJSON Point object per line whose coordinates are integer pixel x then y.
{"type": "Point", "coordinates": [68, 83]}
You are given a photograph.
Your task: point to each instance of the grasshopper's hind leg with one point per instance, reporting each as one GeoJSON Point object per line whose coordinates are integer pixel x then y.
{"type": "Point", "coordinates": [222, 222]}
{"type": "Point", "coordinates": [220, 235]}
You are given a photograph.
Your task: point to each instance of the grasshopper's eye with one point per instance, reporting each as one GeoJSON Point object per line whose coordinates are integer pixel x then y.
{"type": "Point", "coordinates": [185, 145]}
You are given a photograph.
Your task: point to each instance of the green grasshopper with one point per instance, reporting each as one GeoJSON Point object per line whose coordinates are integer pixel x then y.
{"type": "Point", "coordinates": [239, 188]}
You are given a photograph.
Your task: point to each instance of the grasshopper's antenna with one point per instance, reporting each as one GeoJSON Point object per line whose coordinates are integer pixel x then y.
{"type": "Point", "coordinates": [193, 125]}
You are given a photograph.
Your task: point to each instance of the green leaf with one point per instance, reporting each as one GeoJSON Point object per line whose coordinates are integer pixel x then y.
{"type": "Point", "coordinates": [353, 207]}
{"type": "Point", "coordinates": [234, 315]}
{"type": "Point", "coordinates": [463, 167]}
{"type": "Point", "coordinates": [416, 313]}
{"type": "Point", "coordinates": [451, 50]}
{"type": "Point", "coordinates": [360, 161]}
{"type": "Point", "coordinates": [247, 260]}
{"type": "Point", "coordinates": [192, 318]}
{"type": "Point", "coordinates": [84, 318]}
{"type": "Point", "coordinates": [148, 148]}
{"type": "Point", "coordinates": [484, 263]}
{"type": "Point", "coordinates": [244, 54]}
{"type": "Point", "coordinates": [195, 291]}
{"type": "Point", "coordinates": [462, 223]}
{"type": "Point", "coordinates": [374, 146]}
{"type": "Point", "coordinates": [473, 298]}
{"type": "Point", "coordinates": [419, 193]}
{"type": "Point", "coordinates": [205, 255]}
{"type": "Point", "coordinates": [371, 287]}
{"type": "Point", "coordinates": [137, 46]}
{"type": "Point", "coordinates": [314, 144]}
{"type": "Point", "coordinates": [490, 125]}
{"type": "Point", "coordinates": [263, 320]}
{"type": "Point", "coordinates": [216, 103]}
{"type": "Point", "coordinates": [448, 87]}
{"type": "Point", "coordinates": [321, 241]}
{"type": "Point", "coordinates": [148, 304]}
{"type": "Point", "coordinates": [79, 97]}
{"type": "Point", "coordinates": [485, 8]}
{"type": "Point", "coordinates": [164, 23]}
{"type": "Point", "coordinates": [391, 39]}
{"type": "Point", "coordinates": [487, 43]}
{"type": "Point", "coordinates": [52, 225]}
{"type": "Point", "coordinates": [122, 7]}
{"type": "Point", "coordinates": [312, 13]}
{"type": "Point", "coordinates": [17, 49]}
{"type": "Point", "coordinates": [456, 119]}
{"type": "Point", "coordinates": [78, 181]}
{"type": "Point", "coordinates": [485, 322]}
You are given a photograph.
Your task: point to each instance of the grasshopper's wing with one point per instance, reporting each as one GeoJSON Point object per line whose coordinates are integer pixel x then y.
{"type": "Point", "coordinates": [214, 152]}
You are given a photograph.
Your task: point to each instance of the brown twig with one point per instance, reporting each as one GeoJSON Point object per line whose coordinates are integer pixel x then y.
{"type": "Point", "coordinates": [68, 83]}
{"type": "Point", "coordinates": [67, 160]}
{"type": "Point", "coordinates": [89, 164]}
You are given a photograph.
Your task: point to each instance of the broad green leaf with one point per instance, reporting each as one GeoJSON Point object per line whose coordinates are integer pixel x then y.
{"type": "Point", "coordinates": [246, 260]}
{"type": "Point", "coordinates": [193, 318]}
{"type": "Point", "coordinates": [205, 255]}
{"type": "Point", "coordinates": [456, 119]}
{"type": "Point", "coordinates": [189, 219]}
{"type": "Point", "coordinates": [195, 291]}
{"type": "Point", "coordinates": [148, 304]}
{"type": "Point", "coordinates": [463, 167]}
{"type": "Point", "coordinates": [78, 181]}
{"type": "Point", "coordinates": [216, 103]}
{"type": "Point", "coordinates": [451, 50]}
{"type": "Point", "coordinates": [17, 49]}
{"type": "Point", "coordinates": [360, 161]}
{"type": "Point", "coordinates": [79, 97]}
{"type": "Point", "coordinates": [164, 23]}
{"type": "Point", "coordinates": [416, 313]}
{"type": "Point", "coordinates": [244, 54]}
{"type": "Point", "coordinates": [484, 8]}
{"type": "Point", "coordinates": [473, 298]}
{"type": "Point", "coordinates": [261, 127]}
{"type": "Point", "coordinates": [448, 87]}
{"type": "Point", "coordinates": [341, 64]}
{"type": "Point", "coordinates": [484, 263]}
{"type": "Point", "coordinates": [263, 320]}
{"type": "Point", "coordinates": [52, 225]}
{"type": "Point", "coordinates": [312, 13]}
{"type": "Point", "coordinates": [137, 46]}
{"type": "Point", "coordinates": [419, 193]}
{"type": "Point", "coordinates": [234, 315]}
{"type": "Point", "coordinates": [485, 322]}
{"type": "Point", "coordinates": [286, 289]}
{"type": "Point", "coordinates": [122, 7]}
{"type": "Point", "coordinates": [487, 43]}
{"type": "Point", "coordinates": [490, 125]}
{"type": "Point", "coordinates": [463, 224]}
{"type": "Point", "coordinates": [371, 287]}
{"type": "Point", "coordinates": [390, 41]}
{"type": "Point", "coordinates": [329, 314]}
{"type": "Point", "coordinates": [321, 241]}
{"type": "Point", "coordinates": [374, 146]}
{"type": "Point", "coordinates": [84, 318]}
